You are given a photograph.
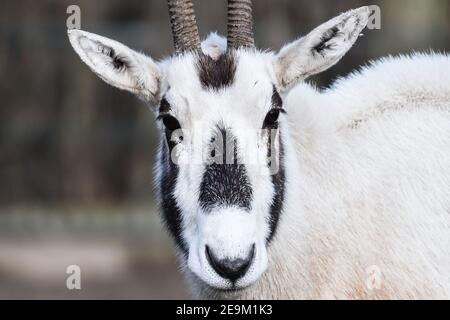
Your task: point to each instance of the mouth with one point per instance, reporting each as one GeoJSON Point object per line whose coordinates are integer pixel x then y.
{"type": "Point", "coordinates": [225, 289]}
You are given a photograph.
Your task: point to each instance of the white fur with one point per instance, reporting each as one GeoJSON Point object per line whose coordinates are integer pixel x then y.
{"type": "Point", "coordinates": [370, 186]}
{"type": "Point", "coordinates": [367, 166]}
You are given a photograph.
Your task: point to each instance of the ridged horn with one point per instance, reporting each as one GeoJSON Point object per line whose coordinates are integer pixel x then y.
{"type": "Point", "coordinates": [184, 25]}
{"type": "Point", "coordinates": [240, 24]}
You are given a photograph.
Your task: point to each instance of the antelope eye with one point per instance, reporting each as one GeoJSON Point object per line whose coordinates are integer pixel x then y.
{"type": "Point", "coordinates": [271, 119]}
{"type": "Point", "coordinates": [171, 123]}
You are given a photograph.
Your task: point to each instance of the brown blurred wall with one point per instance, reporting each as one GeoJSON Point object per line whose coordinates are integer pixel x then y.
{"type": "Point", "coordinates": [68, 138]}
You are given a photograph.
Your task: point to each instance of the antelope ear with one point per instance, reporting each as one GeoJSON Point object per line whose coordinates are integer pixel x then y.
{"type": "Point", "coordinates": [320, 49]}
{"type": "Point", "coordinates": [117, 64]}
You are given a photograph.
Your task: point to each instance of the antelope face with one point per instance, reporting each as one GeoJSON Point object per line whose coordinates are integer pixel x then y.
{"type": "Point", "coordinates": [221, 172]}
{"type": "Point", "coordinates": [220, 167]}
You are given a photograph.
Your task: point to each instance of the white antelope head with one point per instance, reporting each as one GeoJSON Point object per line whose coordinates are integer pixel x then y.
{"type": "Point", "coordinates": [222, 173]}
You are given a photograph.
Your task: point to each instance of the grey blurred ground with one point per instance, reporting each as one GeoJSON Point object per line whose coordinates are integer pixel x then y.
{"type": "Point", "coordinates": [123, 254]}
{"type": "Point", "coordinates": [113, 271]}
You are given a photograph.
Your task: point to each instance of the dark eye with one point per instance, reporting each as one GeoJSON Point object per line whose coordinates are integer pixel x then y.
{"type": "Point", "coordinates": [171, 123]}
{"type": "Point", "coordinates": [271, 119]}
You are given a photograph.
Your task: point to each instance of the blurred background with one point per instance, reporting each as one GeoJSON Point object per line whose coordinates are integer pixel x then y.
{"type": "Point", "coordinates": [76, 155]}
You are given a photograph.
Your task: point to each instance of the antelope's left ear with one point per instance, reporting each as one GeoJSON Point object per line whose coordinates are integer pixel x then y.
{"type": "Point", "coordinates": [117, 64]}
{"type": "Point", "coordinates": [320, 49]}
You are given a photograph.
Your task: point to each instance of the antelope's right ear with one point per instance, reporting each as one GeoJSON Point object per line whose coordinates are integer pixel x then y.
{"type": "Point", "coordinates": [320, 49]}
{"type": "Point", "coordinates": [117, 64]}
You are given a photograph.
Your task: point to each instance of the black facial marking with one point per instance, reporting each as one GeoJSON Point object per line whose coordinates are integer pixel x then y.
{"type": "Point", "coordinates": [172, 127]}
{"type": "Point", "coordinates": [225, 183]}
{"type": "Point", "coordinates": [171, 213]}
{"type": "Point", "coordinates": [278, 181]}
{"type": "Point", "coordinates": [323, 44]}
{"type": "Point", "coordinates": [276, 100]}
{"type": "Point", "coordinates": [271, 119]}
{"type": "Point", "coordinates": [171, 123]}
{"type": "Point", "coordinates": [164, 106]}
{"type": "Point", "coordinates": [279, 178]}
{"type": "Point", "coordinates": [216, 73]}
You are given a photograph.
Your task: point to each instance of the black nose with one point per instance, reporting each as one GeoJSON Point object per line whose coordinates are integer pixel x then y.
{"type": "Point", "coordinates": [231, 269]}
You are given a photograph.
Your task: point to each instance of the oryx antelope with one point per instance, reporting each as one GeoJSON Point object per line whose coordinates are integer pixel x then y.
{"type": "Point", "coordinates": [358, 205]}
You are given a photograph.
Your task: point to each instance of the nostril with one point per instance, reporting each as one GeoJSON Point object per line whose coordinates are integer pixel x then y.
{"type": "Point", "coordinates": [231, 269]}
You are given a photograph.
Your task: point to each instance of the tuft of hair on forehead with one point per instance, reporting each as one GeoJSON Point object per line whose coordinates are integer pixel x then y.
{"type": "Point", "coordinates": [214, 45]}
{"type": "Point", "coordinates": [216, 74]}
{"type": "Point", "coordinates": [216, 66]}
